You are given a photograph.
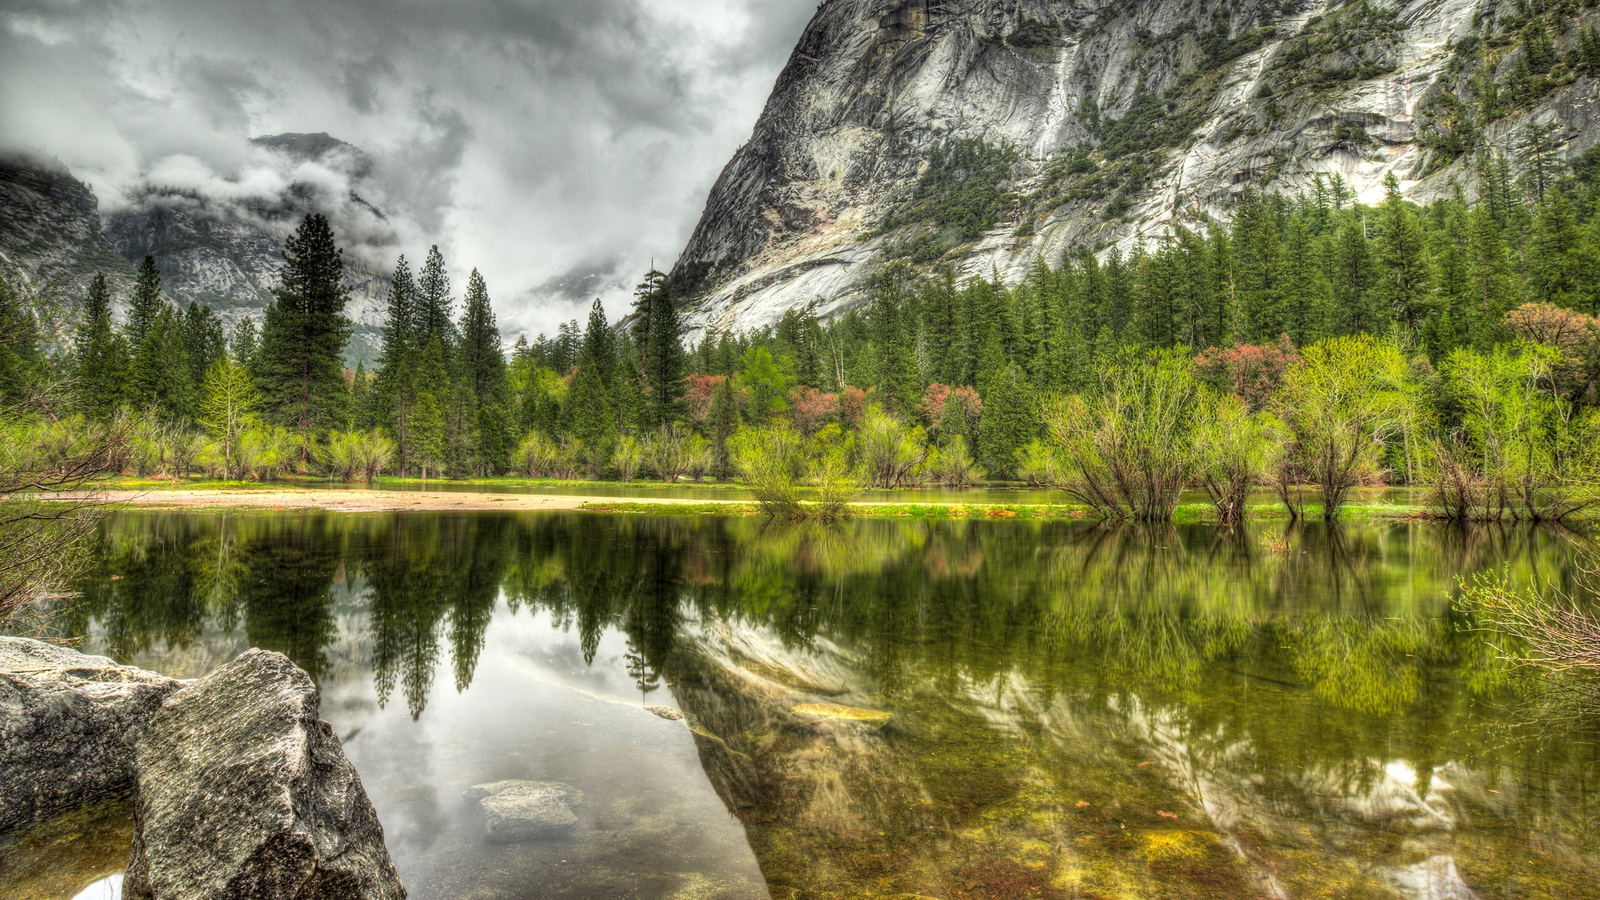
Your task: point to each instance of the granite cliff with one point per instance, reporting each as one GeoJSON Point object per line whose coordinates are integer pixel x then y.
{"type": "Point", "coordinates": [983, 134]}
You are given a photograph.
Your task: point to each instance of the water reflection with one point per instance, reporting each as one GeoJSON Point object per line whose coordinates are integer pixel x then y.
{"type": "Point", "coordinates": [960, 709]}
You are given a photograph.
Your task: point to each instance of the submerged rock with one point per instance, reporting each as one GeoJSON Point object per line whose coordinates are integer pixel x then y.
{"type": "Point", "coordinates": [244, 793]}
{"type": "Point", "coordinates": [526, 810]}
{"type": "Point", "coordinates": [69, 724]}
{"type": "Point", "coordinates": [870, 718]}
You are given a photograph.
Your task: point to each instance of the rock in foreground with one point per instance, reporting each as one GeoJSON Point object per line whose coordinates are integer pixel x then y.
{"type": "Point", "coordinates": [244, 793]}
{"type": "Point", "coordinates": [526, 810]}
{"type": "Point", "coordinates": [69, 724]}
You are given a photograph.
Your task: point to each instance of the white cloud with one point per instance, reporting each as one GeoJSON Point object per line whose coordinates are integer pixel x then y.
{"type": "Point", "coordinates": [528, 138]}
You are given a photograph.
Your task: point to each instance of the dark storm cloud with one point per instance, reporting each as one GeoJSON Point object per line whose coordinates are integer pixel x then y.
{"type": "Point", "coordinates": [524, 137]}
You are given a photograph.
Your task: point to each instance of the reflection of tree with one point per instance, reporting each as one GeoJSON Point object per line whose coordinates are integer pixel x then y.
{"type": "Point", "coordinates": [420, 571]}
{"type": "Point", "coordinates": [160, 577]}
{"type": "Point", "coordinates": [287, 600]}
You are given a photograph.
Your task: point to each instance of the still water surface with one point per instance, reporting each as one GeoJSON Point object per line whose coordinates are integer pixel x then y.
{"type": "Point", "coordinates": [889, 709]}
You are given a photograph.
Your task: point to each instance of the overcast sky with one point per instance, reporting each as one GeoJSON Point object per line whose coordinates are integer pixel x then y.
{"type": "Point", "coordinates": [528, 138]}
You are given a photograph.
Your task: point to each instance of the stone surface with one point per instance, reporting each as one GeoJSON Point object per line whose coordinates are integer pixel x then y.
{"type": "Point", "coordinates": [244, 793]}
{"type": "Point", "coordinates": [69, 725]}
{"type": "Point", "coordinates": [665, 712]}
{"type": "Point", "coordinates": [526, 810]}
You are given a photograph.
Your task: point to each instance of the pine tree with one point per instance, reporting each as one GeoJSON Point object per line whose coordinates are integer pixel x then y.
{"type": "Point", "coordinates": [1310, 298]}
{"type": "Point", "coordinates": [426, 425]}
{"type": "Point", "coordinates": [591, 419]}
{"type": "Point", "coordinates": [246, 345]}
{"type": "Point", "coordinates": [1490, 273]}
{"type": "Point", "coordinates": [1403, 262]}
{"type": "Point", "coordinates": [146, 305]}
{"type": "Point", "coordinates": [100, 357]}
{"type": "Point", "coordinates": [1554, 261]}
{"type": "Point", "coordinates": [434, 306]}
{"type": "Point", "coordinates": [664, 364]}
{"type": "Point", "coordinates": [599, 347]}
{"type": "Point", "coordinates": [483, 368]}
{"type": "Point", "coordinates": [21, 362]}
{"type": "Point", "coordinates": [363, 411]}
{"type": "Point", "coordinates": [1352, 276]}
{"type": "Point", "coordinates": [158, 375]}
{"type": "Point", "coordinates": [898, 380]}
{"type": "Point", "coordinates": [1010, 420]}
{"type": "Point", "coordinates": [391, 394]}
{"type": "Point", "coordinates": [301, 368]}
{"type": "Point", "coordinates": [1259, 264]}
{"type": "Point", "coordinates": [724, 423]}
{"type": "Point", "coordinates": [204, 340]}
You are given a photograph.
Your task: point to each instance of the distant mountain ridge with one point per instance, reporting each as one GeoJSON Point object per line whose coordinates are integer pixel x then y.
{"type": "Point", "coordinates": [224, 252]}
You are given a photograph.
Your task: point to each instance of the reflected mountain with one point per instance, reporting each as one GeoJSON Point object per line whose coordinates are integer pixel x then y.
{"type": "Point", "coordinates": [963, 709]}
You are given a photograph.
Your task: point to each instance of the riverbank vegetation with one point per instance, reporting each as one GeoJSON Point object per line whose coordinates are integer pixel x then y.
{"type": "Point", "coordinates": [1315, 343]}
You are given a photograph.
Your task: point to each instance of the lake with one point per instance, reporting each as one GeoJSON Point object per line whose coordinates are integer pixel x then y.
{"type": "Point", "coordinates": [894, 709]}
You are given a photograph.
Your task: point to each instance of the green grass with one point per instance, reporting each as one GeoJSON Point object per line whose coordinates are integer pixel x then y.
{"type": "Point", "coordinates": [1186, 514]}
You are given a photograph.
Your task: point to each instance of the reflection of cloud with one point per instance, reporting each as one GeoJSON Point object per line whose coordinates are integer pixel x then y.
{"type": "Point", "coordinates": [523, 136]}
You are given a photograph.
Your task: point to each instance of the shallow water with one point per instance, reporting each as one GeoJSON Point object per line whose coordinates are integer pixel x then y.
{"type": "Point", "coordinates": [889, 709]}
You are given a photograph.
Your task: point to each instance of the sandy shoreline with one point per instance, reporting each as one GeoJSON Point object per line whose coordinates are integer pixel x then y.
{"type": "Point", "coordinates": [361, 500]}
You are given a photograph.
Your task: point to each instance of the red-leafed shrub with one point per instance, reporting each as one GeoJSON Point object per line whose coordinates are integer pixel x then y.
{"type": "Point", "coordinates": [701, 389]}
{"type": "Point", "coordinates": [810, 409]}
{"type": "Point", "coordinates": [1252, 371]}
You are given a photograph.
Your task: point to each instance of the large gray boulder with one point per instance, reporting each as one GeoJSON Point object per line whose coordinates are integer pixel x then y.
{"type": "Point", "coordinates": [245, 794]}
{"type": "Point", "coordinates": [69, 725]}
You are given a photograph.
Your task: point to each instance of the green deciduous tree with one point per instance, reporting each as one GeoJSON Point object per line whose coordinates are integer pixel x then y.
{"type": "Point", "coordinates": [227, 408]}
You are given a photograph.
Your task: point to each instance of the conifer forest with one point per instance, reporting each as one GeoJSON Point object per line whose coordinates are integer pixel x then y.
{"type": "Point", "coordinates": [1315, 342]}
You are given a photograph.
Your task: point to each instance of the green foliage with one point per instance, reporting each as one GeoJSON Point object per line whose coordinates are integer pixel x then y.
{"type": "Point", "coordinates": [302, 344]}
{"type": "Point", "coordinates": [1341, 404]}
{"type": "Point", "coordinates": [891, 453]}
{"type": "Point", "coordinates": [776, 464]}
{"type": "Point", "coordinates": [1521, 452]}
{"type": "Point", "coordinates": [100, 357]}
{"type": "Point", "coordinates": [228, 407]}
{"type": "Point", "coordinates": [1128, 453]}
{"type": "Point", "coordinates": [1234, 452]}
{"type": "Point", "coordinates": [963, 189]}
{"type": "Point", "coordinates": [1356, 43]}
{"type": "Point", "coordinates": [1010, 419]}
{"type": "Point", "coordinates": [356, 456]}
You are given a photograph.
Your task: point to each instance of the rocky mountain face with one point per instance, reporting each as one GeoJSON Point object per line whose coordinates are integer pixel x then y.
{"type": "Point", "coordinates": [50, 227]}
{"type": "Point", "coordinates": [984, 133]}
{"type": "Point", "coordinates": [218, 249]}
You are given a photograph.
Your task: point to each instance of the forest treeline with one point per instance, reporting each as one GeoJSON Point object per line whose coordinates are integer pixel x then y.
{"type": "Point", "coordinates": [1313, 342]}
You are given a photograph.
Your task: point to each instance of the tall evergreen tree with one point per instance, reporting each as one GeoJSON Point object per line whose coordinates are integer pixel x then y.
{"type": "Point", "coordinates": [663, 357]}
{"type": "Point", "coordinates": [246, 344]}
{"type": "Point", "coordinates": [1259, 262]}
{"type": "Point", "coordinates": [146, 304]}
{"type": "Point", "coordinates": [100, 356]}
{"type": "Point", "coordinates": [434, 306]}
{"type": "Point", "coordinates": [725, 422]}
{"type": "Point", "coordinates": [204, 341]}
{"type": "Point", "coordinates": [483, 368]}
{"type": "Point", "coordinates": [1010, 420]}
{"type": "Point", "coordinates": [158, 375]}
{"type": "Point", "coordinates": [1403, 261]}
{"type": "Point", "coordinates": [1353, 277]}
{"type": "Point", "coordinates": [899, 383]}
{"type": "Point", "coordinates": [302, 344]}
